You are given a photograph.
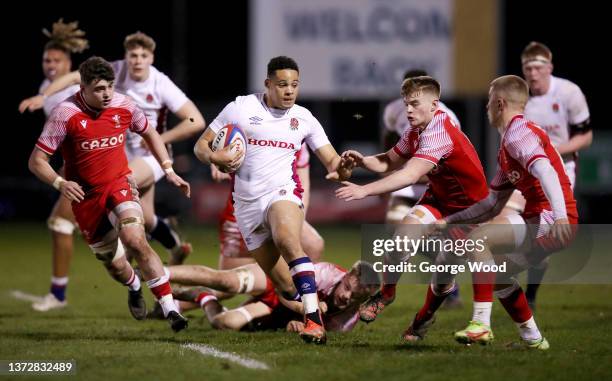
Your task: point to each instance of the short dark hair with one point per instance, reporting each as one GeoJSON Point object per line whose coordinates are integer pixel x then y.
{"type": "Point", "coordinates": [96, 69]}
{"type": "Point", "coordinates": [280, 63]}
{"type": "Point", "coordinates": [415, 73]}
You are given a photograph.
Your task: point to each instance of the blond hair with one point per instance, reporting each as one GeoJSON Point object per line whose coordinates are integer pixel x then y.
{"type": "Point", "coordinates": [66, 37]}
{"type": "Point", "coordinates": [423, 83]}
{"type": "Point", "coordinates": [139, 40]}
{"type": "Point", "coordinates": [512, 89]}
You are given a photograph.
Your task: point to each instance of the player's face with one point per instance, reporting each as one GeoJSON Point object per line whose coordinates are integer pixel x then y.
{"type": "Point", "coordinates": [421, 107]}
{"type": "Point", "coordinates": [282, 88]}
{"type": "Point", "coordinates": [55, 63]}
{"type": "Point", "coordinates": [494, 109]}
{"type": "Point", "coordinates": [348, 292]}
{"type": "Point", "coordinates": [139, 60]}
{"type": "Point", "coordinates": [98, 94]}
{"type": "Point", "coordinates": [537, 74]}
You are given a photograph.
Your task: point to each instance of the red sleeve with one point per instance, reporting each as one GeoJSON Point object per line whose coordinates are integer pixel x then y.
{"type": "Point", "coordinates": [523, 145]}
{"type": "Point", "coordinates": [55, 130]}
{"type": "Point", "coordinates": [435, 143]}
{"type": "Point", "coordinates": [139, 121]}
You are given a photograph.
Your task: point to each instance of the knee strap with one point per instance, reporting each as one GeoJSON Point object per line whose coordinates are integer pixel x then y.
{"type": "Point", "coordinates": [246, 279]}
{"type": "Point", "coordinates": [60, 225]}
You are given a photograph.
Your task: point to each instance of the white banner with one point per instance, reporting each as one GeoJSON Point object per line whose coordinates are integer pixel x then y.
{"type": "Point", "coordinates": [353, 48]}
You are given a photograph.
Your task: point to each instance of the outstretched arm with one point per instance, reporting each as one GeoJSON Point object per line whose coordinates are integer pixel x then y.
{"type": "Point", "coordinates": [338, 168]}
{"type": "Point", "coordinates": [483, 210]}
{"type": "Point", "coordinates": [410, 174]}
{"type": "Point", "coordinates": [192, 122]}
{"type": "Point", "coordinates": [36, 102]}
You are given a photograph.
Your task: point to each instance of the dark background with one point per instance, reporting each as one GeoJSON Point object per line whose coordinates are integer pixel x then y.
{"type": "Point", "coordinates": [203, 47]}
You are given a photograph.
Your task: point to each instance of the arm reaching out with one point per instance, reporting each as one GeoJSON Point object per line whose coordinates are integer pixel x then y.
{"type": "Point", "coordinates": [410, 174]}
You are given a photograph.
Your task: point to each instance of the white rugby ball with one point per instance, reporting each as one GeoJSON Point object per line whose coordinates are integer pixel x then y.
{"type": "Point", "coordinates": [228, 135]}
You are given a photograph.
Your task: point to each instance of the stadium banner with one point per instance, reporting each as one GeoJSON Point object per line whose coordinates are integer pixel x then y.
{"type": "Point", "coordinates": [353, 48]}
{"type": "Point", "coordinates": [411, 254]}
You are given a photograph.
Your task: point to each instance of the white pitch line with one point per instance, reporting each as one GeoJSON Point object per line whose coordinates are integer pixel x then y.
{"type": "Point", "coordinates": [20, 295]}
{"type": "Point", "coordinates": [207, 350]}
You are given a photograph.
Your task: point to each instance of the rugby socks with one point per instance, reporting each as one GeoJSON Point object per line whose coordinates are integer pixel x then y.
{"type": "Point", "coordinates": [483, 284]}
{"type": "Point", "coordinates": [514, 301]}
{"type": "Point", "coordinates": [162, 233]}
{"type": "Point", "coordinates": [482, 312]}
{"type": "Point", "coordinates": [160, 287]}
{"type": "Point", "coordinates": [433, 300]}
{"type": "Point", "coordinates": [203, 298]}
{"type": "Point", "coordinates": [303, 274]}
{"type": "Point", "coordinates": [133, 284]}
{"type": "Point", "coordinates": [58, 287]}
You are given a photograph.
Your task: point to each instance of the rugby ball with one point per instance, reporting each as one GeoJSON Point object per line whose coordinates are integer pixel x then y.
{"type": "Point", "coordinates": [228, 135]}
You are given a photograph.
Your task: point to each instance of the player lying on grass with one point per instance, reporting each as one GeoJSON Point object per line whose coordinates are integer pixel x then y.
{"type": "Point", "coordinates": [340, 294]}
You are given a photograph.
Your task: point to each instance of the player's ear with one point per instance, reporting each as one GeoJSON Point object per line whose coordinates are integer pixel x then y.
{"type": "Point", "coordinates": [267, 83]}
{"type": "Point", "coordinates": [434, 105]}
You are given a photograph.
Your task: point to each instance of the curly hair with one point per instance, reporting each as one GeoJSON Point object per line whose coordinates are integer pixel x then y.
{"type": "Point", "coordinates": [66, 37]}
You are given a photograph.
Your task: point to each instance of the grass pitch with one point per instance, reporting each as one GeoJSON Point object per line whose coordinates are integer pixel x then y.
{"type": "Point", "coordinates": [97, 331]}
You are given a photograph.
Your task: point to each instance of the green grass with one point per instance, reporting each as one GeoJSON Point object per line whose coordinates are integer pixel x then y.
{"type": "Point", "coordinates": [97, 331]}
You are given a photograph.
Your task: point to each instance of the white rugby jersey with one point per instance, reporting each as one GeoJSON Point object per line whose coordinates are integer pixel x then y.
{"type": "Point", "coordinates": [395, 119]}
{"type": "Point", "coordinates": [155, 96]}
{"type": "Point", "coordinates": [274, 137]}
{"type": "Point", "coordinates": [53, 100]}
{"type": "Point", "coordinates": [563, 105]}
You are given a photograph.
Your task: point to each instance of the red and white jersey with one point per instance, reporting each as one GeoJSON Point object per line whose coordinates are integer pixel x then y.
{"type": "Point", "coordinates": [92, 142]}
{"type": "Point", "coordinates": [395, 119]}
{"type": "Point", "coordinates": [563, 105]}
{"type": "Point", "coordinates": [53, 100]}
{"type": "Point", "coordinates": [274, 138]}
{"type": "Point", "coordinates": [458, 180]}
{"type": "Point", "coordinates": [522, 144]}
{"type": "Point", "coordinates": [302, 161]}
{"type": "Point", "coordinates": [155, 96]}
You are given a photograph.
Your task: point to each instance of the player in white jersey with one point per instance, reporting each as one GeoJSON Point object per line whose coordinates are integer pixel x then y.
{"type": "Point", "coordinates": [560, 108]}
{"type": "Point", "coordinates": [341, 293]}
{"type": "Point", "coordinates": [267, 191]}
{"type": "Point", "coordinates": [64, 39]}
{"type": "Point", "coordinates": [154, 93]}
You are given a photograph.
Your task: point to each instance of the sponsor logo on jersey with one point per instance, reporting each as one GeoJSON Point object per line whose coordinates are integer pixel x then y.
{"type": "Point", "coordinates": [514, 176]}
{"type": "Point", "coordinates": [270, 143]}
{"type": "Point", "coordinates": [117, 120]}
{"type": "Point", "coordinates": [83, 123]}
{"type": "Point", "coordinates": [255, 120]}
{"type": "Point", "coordinates": [102, 143]}
{"type": "Point", "coordinates": [555, 107]}
{"type": "Point", "coordinates": [282, 192]}
{"type": "Point", "coordinates": [149, 98]}
{"type": "Point", "coordinates": [123, 192]}
{"type": "Point", "coordinates": [294, 124]}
